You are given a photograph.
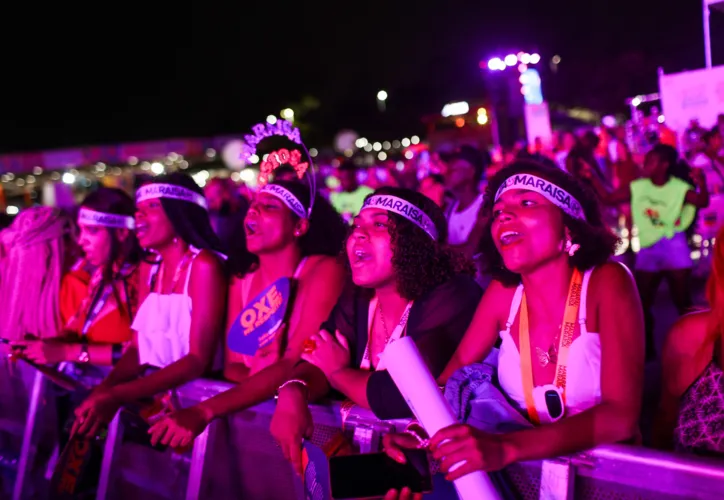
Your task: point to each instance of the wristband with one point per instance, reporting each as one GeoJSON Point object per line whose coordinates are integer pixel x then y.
{"type": "Point", "coordinates": [84, 356]}
{"type": "Point", "coordinates": [290, 382]}
{"type": "Point", "coordinates": [415, 430]}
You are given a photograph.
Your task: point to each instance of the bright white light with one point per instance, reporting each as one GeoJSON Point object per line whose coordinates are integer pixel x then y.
{"type": "Point", "coordinates": [556, 60]}
{"type": "Point", "coordinates": [534, 59]}
{"type": "Point", "coordinates": [525, 58]}
{"type": "Point", "coordinates": [253, 159]}
{"type": "Point", "coordinates": [377, 146]}
{"type": "Point", "coordinates": [287, 114]}
{"type": "Point", "coordinates": [247, 175]}
{"type": "Point", "coordinates": [271, 119]}
{"type": "Point", "coordinates": [661, 119]}
{"type": "Point", "coordinates": [482, 119]}
{"type": "Point", "coordinates": [361, 142]}
{"type": "Point", "coordinates": [381, 95]}
{"type": "Point", "coordinates": [386, 145]}
{"type": "Point", "coordinates": [235, 176]}
{"type": "Point", "coordinates": [496, 63]}
{"type": "Point", "coordinates": [132, 160]}
{"type": "Point", "coordinates": [368, 147]}
{"type": "Point", "coordinates": [409, 155]}
{"type": "Point", "coordinates": [199, 178]}
{"type": "Point", "coordinates": [313, 152]}
{"type": "Point", "coordinates": [608, 121]}
{"type": "Point", "coordinates": [511, 60]}
{"type": "Point", "coordinates": [382, 156]}
{"type": "Point", "coordinates": [173, 156]}
{"type": "Point", "coordinates": [12, 210]}
{"type": "Point", "coordinates": [68, 178]}
{"type": "Point", "coordinates": [37, 170]}
{"type": "Point", "coordinates": [415, 140]}
{"type": "Point", "coordinates": [263, 158]}
{"type": "Point", "coordinates": [405, 142]}
{"type": "Point", "coordinates": [636, 101]}
{"type": "Point", "coordinates": [455, 109]}
{"type": "Point", "coordinates": [183, 164]}
{"type": "Point", "coordinates": [156, 168]}
{"type": "Point", "coordinates": [211, 152]}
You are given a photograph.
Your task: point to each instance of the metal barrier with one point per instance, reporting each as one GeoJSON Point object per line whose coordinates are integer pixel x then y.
{"type": "Point", "coordinates": [237, 458]}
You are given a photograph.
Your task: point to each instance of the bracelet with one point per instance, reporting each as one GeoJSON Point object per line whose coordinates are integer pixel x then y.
{"type": "Point", "coordinates": [415, 430]}
{"type": "Point", "coordinates": [290, 382]}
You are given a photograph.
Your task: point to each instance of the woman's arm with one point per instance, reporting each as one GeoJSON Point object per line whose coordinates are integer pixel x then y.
{"type": "Point", "coordinates": [686, 353]}
{"type": "Point", "coordinates": [207, 290]}
{"type": "Point", "coordinates": [235, 369]}
{"type": "Point", "coordinates": [317, 294]}
{"type": "Point", "coordinates": [699, 197]}
{"type": "Point", "coordinates": [615, 418]}
{"type": "Point", "coordinates": [482, 333]}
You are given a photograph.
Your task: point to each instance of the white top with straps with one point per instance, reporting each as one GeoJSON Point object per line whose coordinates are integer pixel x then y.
{"type": "Point", "coordinates": [583, 384]}
{"type": "Point", "coordinates": [163, 323]}
{"type": "Point", "coordinates": [461, 224]}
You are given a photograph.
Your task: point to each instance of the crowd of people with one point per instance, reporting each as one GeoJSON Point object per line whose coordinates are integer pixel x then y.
{"type": "Point", "coordinates": [506, 263]}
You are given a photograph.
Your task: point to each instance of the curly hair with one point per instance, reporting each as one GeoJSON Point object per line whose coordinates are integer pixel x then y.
{"type": "Point", "coordinates": [597, 242]}
{"type": "Point", "coordinates": [420, 263]}
{"type": "Point", "coordinates": [326, 235]}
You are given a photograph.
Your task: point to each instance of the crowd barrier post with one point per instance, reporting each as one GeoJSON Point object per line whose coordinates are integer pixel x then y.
{"type": "Point", "coordinates": [198, 461]}
{"type": "Point", "coordinates": [113, 440]}
{"type": "Point", "coordinates": [27, 452]}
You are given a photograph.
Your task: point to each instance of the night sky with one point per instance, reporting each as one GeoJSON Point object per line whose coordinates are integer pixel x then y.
{"type": "Point", "coordinates": [106, 73]}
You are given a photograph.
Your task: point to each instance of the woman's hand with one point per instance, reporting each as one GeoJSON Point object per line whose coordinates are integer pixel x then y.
{"type": "Point", "coordinates": [330, 354]}
{"type": "Point", "coordinates": [181, 427]}
{"type": "Point", "coordinates": [471, 448]}
{"type": "Point", "coordinates": [393, 444]}
{"type": "Point", "coordinates": [291, 423]}
{"type": "Point", "coordinates": [96, 411]}
{"type": "Point", "coordinates": [42, 352]}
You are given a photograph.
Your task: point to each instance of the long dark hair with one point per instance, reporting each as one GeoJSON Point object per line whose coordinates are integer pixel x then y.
{"type": "Point", "coordinates": [326, 235]}
{"type": "Point", "coordinates": [117, 202]}
{"type": "Point", "coordinates": [190, 221]}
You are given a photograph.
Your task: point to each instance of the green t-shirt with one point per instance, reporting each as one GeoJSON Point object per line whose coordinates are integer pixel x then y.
{"type": "Point", "coordinates": [659, 211]}
{"type": "Point", "coordinates": [349, 204]}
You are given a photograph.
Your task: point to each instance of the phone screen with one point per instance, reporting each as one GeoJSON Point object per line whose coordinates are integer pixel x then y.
{"type": "Point", "coordinates": [374, 474]}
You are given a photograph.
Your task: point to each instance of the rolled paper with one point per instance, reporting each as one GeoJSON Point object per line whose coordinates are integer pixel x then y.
{"type": "Point", "coordinates": [417, 385]}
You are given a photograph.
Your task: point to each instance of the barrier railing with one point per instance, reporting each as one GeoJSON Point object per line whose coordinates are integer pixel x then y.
{"type": "Point", "coordinates": [237, 458]}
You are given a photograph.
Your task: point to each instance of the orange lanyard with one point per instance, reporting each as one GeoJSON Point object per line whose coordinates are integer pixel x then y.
{"type": "Point", "coordinates": [567, 329]}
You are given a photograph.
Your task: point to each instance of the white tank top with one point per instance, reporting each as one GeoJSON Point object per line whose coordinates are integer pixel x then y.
{"type": "Point", "coordinates": [460, 224]}
{"type": "Point", "coordinates": [583, 383]}
{"type": "Point", "coordinates": [163, 323]}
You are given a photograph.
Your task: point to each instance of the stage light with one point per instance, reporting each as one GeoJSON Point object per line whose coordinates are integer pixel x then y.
{"type": "Point", "coordinates": [409, 155]}
{"type": "Point", "coordinates": [459, 123]}
{"type": "Point", "coordinates": [556, 60]}
{"type": "Point", "coordinates": [661, 119]}
{"type": "Point", "coordinates": [382, 95]}
{"type": "Point", "coordinates": [271, 119]}
{"type": "Point", "coordinates": [12, 210]}
{"type": "Point", "coordinates": [405, 142]}
{"type": "Point", "coordinates": [534, 58]}
{"type": "Point", "coordinates": [636, 102]}
{"type": "Point", "coordinates": [415, 140]}
{"type": "Point", "coordinates": [496, 63]}
{"type": "Point", "coordinates": [525, 59]}
{"type": "Point", "coordinates": [68, 178]}
{"type": "Point", "coordinates": [253, 159]}
{"type": "Point", "coordinates": [382, 156]}
{"type": "Point", "coordinates": [313, 152]}
{"type": "Point", "coordinates": [482, 119]}
{"type": "Point", "coordinates": [377, 146]}
{"type": "Point", "coordinates": [455, 109]}
{"type": "Point", "coordinates": [511, 60]}
{"type": "Point", "coordinates": [156, 168]}
{"type": "Point", "coordinates": [288, 114]}
{"type": "Point", "coordinates": [361, 142]}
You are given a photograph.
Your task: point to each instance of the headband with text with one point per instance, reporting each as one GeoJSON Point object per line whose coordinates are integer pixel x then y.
{"type": "Point", "coordinates": [172, 191]}
{"type": "Point", "coordinates": [287, 198]}
{"type": "Point", "coordinates": [404, 209]}
{"type": "Point", "coordinates": [89, 217]}
{"type": "Point", "coordinates": [556, 195]}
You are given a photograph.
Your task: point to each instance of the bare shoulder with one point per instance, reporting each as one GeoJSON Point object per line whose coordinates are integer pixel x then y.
{"type": "Point", "coordinates": [688, 334]}
{"type": "Point", "coordinates": [497, 301]}
{"type": "Point", "coordinates": [613, 277]}
{"type": "Point", "coordinates": [208, 262]}
{"type": "Point", "coordinates": [321, 267]}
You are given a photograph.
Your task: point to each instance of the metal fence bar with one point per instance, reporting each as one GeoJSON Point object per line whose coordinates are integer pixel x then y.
{"type": "Point", "coordinates": [198, 461]}
{"type": "Point", "coordinates": [27, 451]}
{"type": "Point", "coordinates": [113, 441]}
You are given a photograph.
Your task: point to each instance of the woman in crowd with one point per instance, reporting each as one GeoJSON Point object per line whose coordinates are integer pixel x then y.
{"type": "Point", "coordinates": [97, 312]}
{"type": "Point", "coordinates": [405, 283]}
{"type": "Point", "coordinates": [35, 253]}
{"type": "Point", "coordinates": [691, 411]}
{"type": "Point", "coordinates": [289, 237]}
{"type": "Point", "coordinates": [179, 340]}
{"type": "Point", "coordinates": [549, 252]}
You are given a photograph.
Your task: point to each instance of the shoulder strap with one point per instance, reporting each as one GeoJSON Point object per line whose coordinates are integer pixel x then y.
{"type": "Point", "coordinates": [514, 306]}
{"type": "Point", "coordinates": [195, 253]}
{"type": "Point", "coordinates": [300, 267]}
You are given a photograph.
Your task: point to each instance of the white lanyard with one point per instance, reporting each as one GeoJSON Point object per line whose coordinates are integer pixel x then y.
{"type": "Point", "coordinates": [398, 332]}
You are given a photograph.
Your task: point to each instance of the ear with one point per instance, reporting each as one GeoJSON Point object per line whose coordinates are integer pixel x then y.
{"type": "Point", "coordinates": [301, 227]}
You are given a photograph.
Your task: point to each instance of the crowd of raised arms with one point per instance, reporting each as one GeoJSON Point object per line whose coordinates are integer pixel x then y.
{"type": "Point", "coordinates": [146, 293]}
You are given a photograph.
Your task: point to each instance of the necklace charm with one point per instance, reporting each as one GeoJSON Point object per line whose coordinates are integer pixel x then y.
{"type": "Point", "coordinates": [546, 358]}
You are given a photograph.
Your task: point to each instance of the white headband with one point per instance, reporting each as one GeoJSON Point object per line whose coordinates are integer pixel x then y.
{"type": "Point", "coordinates": [90, 217]}
{"type": "Point", "coordinates": [404, 209]}
{"type": "Point", "coordinates": [152, 191]}
{"type": "Point", "coordinates": [556, 195]}
{"type": "Point", "coordinates": [287, 198]}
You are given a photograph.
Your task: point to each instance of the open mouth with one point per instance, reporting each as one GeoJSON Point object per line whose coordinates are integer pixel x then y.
{"type": "Point", "coordinates": [508, 238]}
{"type": "Point", "coordinates": [251, 228]}
{"type": "Point", "coordinates": [141, 229]}
{"type": "Point", "coordinates": [360, 257]}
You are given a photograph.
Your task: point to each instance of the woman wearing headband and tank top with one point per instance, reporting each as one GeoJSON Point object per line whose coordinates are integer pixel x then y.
{"type": "Point", "coordinates": [97, 311]}
{"type": "Point", "coordinates": [182, 296]}
{"type": "Point", "coordinates": [406, 282]}
{"type": "Point", "coordinates": [548, 250]}
{"type": "Point", "coordinates": [286, 242]}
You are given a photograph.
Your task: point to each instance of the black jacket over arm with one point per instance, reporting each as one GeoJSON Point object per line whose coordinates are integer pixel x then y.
{"type": "Point", "coordinates": [438, 320]}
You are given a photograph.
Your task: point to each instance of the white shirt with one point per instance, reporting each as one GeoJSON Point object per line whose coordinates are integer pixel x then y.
{"type": "Point", "coordinates": [460, 224]}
